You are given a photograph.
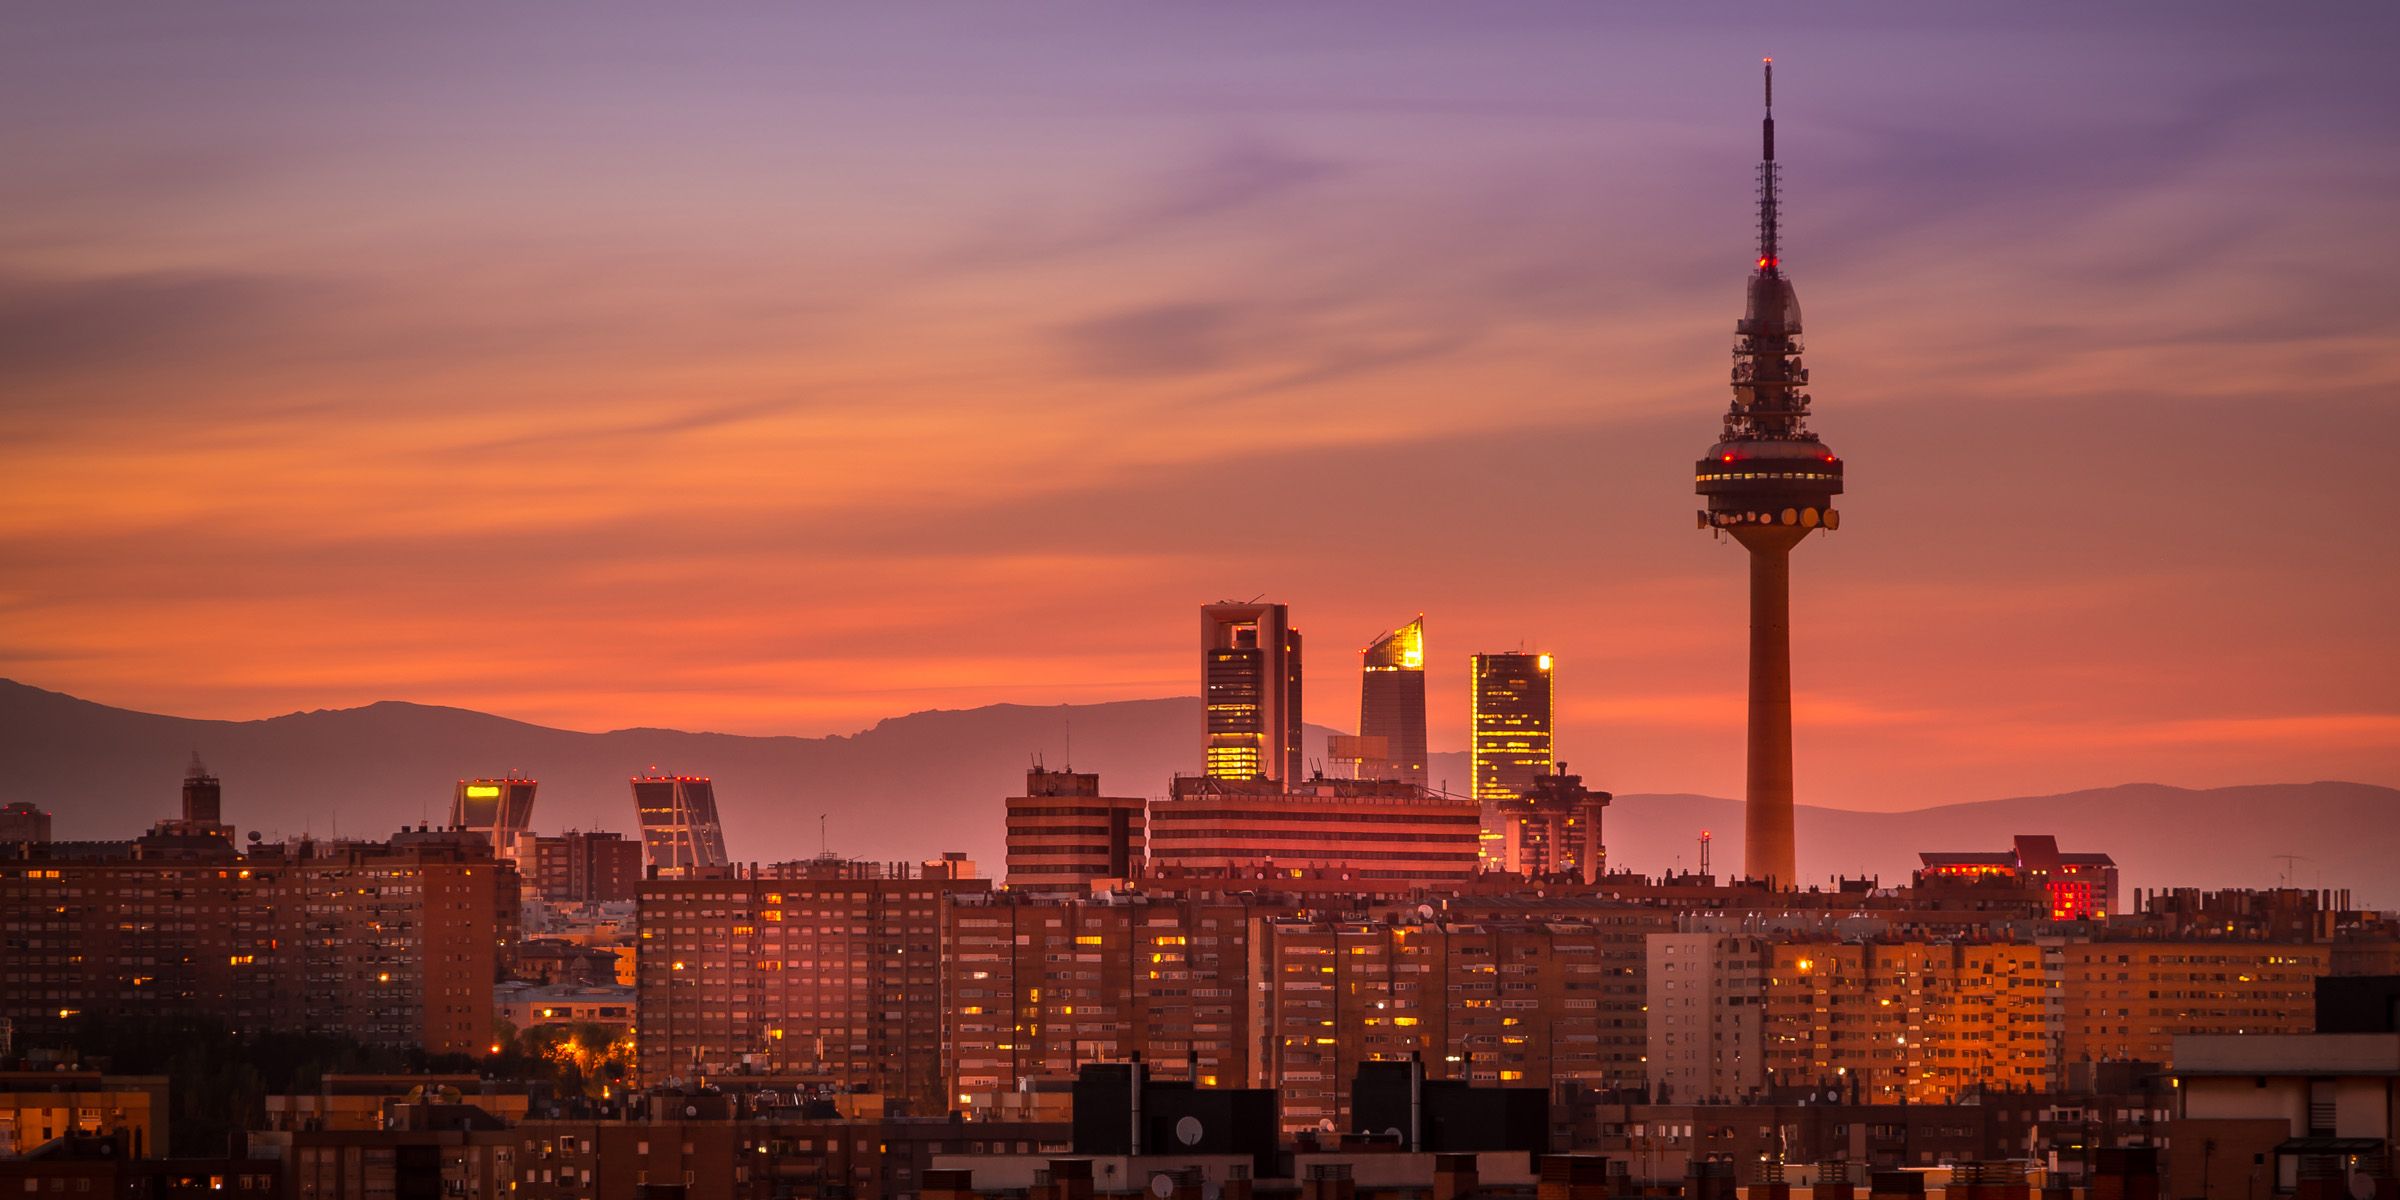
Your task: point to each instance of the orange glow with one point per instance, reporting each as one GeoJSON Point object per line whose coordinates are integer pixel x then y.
{"type": "Point", "coordinates": [420, 392]}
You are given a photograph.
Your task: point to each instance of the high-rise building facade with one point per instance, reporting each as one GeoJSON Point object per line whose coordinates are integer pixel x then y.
{"type": "Point", "coordinates": [1250, 692]}
{"type": "Point", "coordinates": [1705, 1016]}
{"type": "Point", "coordinates": [2131, 999]}
{"type": "Point", "coordinates": [826, 970]}
{"type": "Point", "coordinates": [681, 836]}
{"type": "Point", "coordinates": [1391, 704]}
{"type": "Point", "coordinates": [1039, 986]}
{"type": "Point", "coordinates": [1769, 483]}
{"type": "Point", "coordinates": [1493, 1000]}
{"type": "Point", "coordinates": [1062, 833]}
{"type": "Point", "coordinates": [1911, 1021]}
{"type": "Point", "coordinates": [393, 943]}
{"type": "Point", "coordinates": [1512, 699]}
{"type": "Point", "coordinates": [1382, 835]}
{"type": "Point", "coordinates": [501, 810]}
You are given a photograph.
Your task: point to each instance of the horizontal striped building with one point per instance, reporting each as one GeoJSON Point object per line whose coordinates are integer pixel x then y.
{"type": "Point", "coordinates": [1359, 829]}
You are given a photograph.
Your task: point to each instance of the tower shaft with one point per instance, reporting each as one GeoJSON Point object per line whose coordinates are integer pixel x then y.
{"type": "Point", "coordinates": [1770, 483]}
{"type": "Point", "coordinates": [1768, 847]}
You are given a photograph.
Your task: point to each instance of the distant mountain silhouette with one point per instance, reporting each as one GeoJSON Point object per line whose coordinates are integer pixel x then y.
{"type": "Point", "coordinates": [917, 785]}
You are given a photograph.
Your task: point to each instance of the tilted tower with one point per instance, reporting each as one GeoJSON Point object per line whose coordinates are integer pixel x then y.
{"type": "Point", "coordinates": [1769, 483]}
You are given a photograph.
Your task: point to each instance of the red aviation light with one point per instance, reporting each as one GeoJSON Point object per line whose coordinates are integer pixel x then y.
{"type": "Point", "coordinates": [1765, 262]}
{"type": "Point", "coordinates": [1728, 458]}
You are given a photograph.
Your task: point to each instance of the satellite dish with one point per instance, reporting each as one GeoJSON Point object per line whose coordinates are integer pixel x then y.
{"type": "Point", "coordinates": [1393, 1133]}
{"type": "Point", "coordinates": [1162, 1185]}
{"type": "Point", "coordinates": [690, 1110]}
{"type": "Point", "coordinates": [1425, 912]}
{"type": "Point", "coordinates": [1188, 1131]}
{"type": "Point", "coordinates": [1325, 1126]}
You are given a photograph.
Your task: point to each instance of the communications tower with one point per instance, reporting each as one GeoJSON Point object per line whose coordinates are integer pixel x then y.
{"type": "Point", "coordinates": [1770, 483]}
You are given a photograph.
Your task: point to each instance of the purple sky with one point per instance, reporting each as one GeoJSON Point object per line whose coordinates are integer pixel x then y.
{"type": "Point", "coordinates": [776, 370]}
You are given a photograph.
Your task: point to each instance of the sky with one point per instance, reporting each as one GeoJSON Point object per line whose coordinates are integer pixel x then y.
{"type": "Point", "coordinates": [778, 369]}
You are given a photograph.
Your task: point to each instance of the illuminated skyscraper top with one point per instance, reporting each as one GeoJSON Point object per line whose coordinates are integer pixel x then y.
{"type": "Point", "coordinates": [1769, 482]}
{"type": "Point", "coordinates": [1512, 704]}
{"type": "Point", "coordinates": [1250, 691]}
{"type": "Point", "coordinates": [1391, 703]}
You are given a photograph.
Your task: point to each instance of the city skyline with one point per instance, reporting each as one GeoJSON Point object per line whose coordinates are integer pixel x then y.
{"type": "Point", "coordinates": [780, 371]}
{"type": "Point", "coordinates": [251, 354]}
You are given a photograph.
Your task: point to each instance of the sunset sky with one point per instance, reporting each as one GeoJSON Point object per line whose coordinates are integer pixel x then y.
{"type": "Point", "coordinates": [780, 369]}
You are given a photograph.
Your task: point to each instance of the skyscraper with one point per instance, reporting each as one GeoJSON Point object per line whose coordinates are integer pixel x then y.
{"type": "Point", "coordinates": [499, 809]}
{"type": "Point", "coordinates": [1250, 688]}
{"type": "Point", "coordinates": [1769, 482]}
{"type": "Point", "coordinates": [680, 833]}
{"type": "Point", "coordinates": [1512, 699]}
{"type": "Point", "coordinates": [1391, 703]}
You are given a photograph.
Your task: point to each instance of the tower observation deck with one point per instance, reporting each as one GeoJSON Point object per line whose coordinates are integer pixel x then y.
{"type": "Point", "coordinates": [1769, 483]}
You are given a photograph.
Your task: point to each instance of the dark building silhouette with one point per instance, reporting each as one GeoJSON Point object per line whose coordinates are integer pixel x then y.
{"type": "Point", "coordinates": [578, 867]}
{"type": "Point", "coordinates": [681, 836]}
{"type": "Point", "coordinates": [1394, 1098]}
{"type": "Point", "coordinates": [1250, 690]}
{"type": "Point", "coordinates": [23, 824]}
{"type": "Point", "coordinates": [2358, 1004]}
{"type": "Point", "coordinates": [1769, 483]}
{"type": "Point", "coordinates": [203, 796]}
{"type": "Point", "coordinates": [1391, 704]}
{"type": "Point", "coordinates": [1125, 1108]}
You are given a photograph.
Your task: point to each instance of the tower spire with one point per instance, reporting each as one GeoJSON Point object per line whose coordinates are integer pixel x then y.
{"type": "Point", "coordinates": [1770, 258]}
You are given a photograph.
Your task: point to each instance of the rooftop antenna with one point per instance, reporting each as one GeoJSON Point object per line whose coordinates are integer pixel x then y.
{"type": "Point", "coordinates": [1069, 756]}
{"type": "Point", "coordinates": [2291, 864]}
{"type": "Point", "coordinates": [824, 846]}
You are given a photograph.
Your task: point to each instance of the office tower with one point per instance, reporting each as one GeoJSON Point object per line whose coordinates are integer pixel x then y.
{"type": "Point", "coordinates": [1250, 689]}
{"type": "Point", "coordinates": [1770, 483]}
{"type": "Point", "coordinates": [576, 867]}
{"type": "Point", "coordinates": [203, 796]}
{"type": "Point", "coordinates": [827, 969]}
{"type": "Point", "coordinates": [1512, 714]}
{"type": "Point", "coordinates": [681, 836]}
{"type": "Point", "coordinates": [1384, 836]}
{"type": "Point", "coordinates": [22, 823]}
{"type": "Point", "coordinates": [499, 809]}
{"type": "Point", "coordinates": [1554, 830]}
{"type": "Point", "coordinates": [1391, 703]}
{"type": "Point", "coordinates": [1062, 833]}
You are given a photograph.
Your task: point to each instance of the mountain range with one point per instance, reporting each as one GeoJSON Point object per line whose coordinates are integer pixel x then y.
{"type": "Point", "coordinates": [914, 786]}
